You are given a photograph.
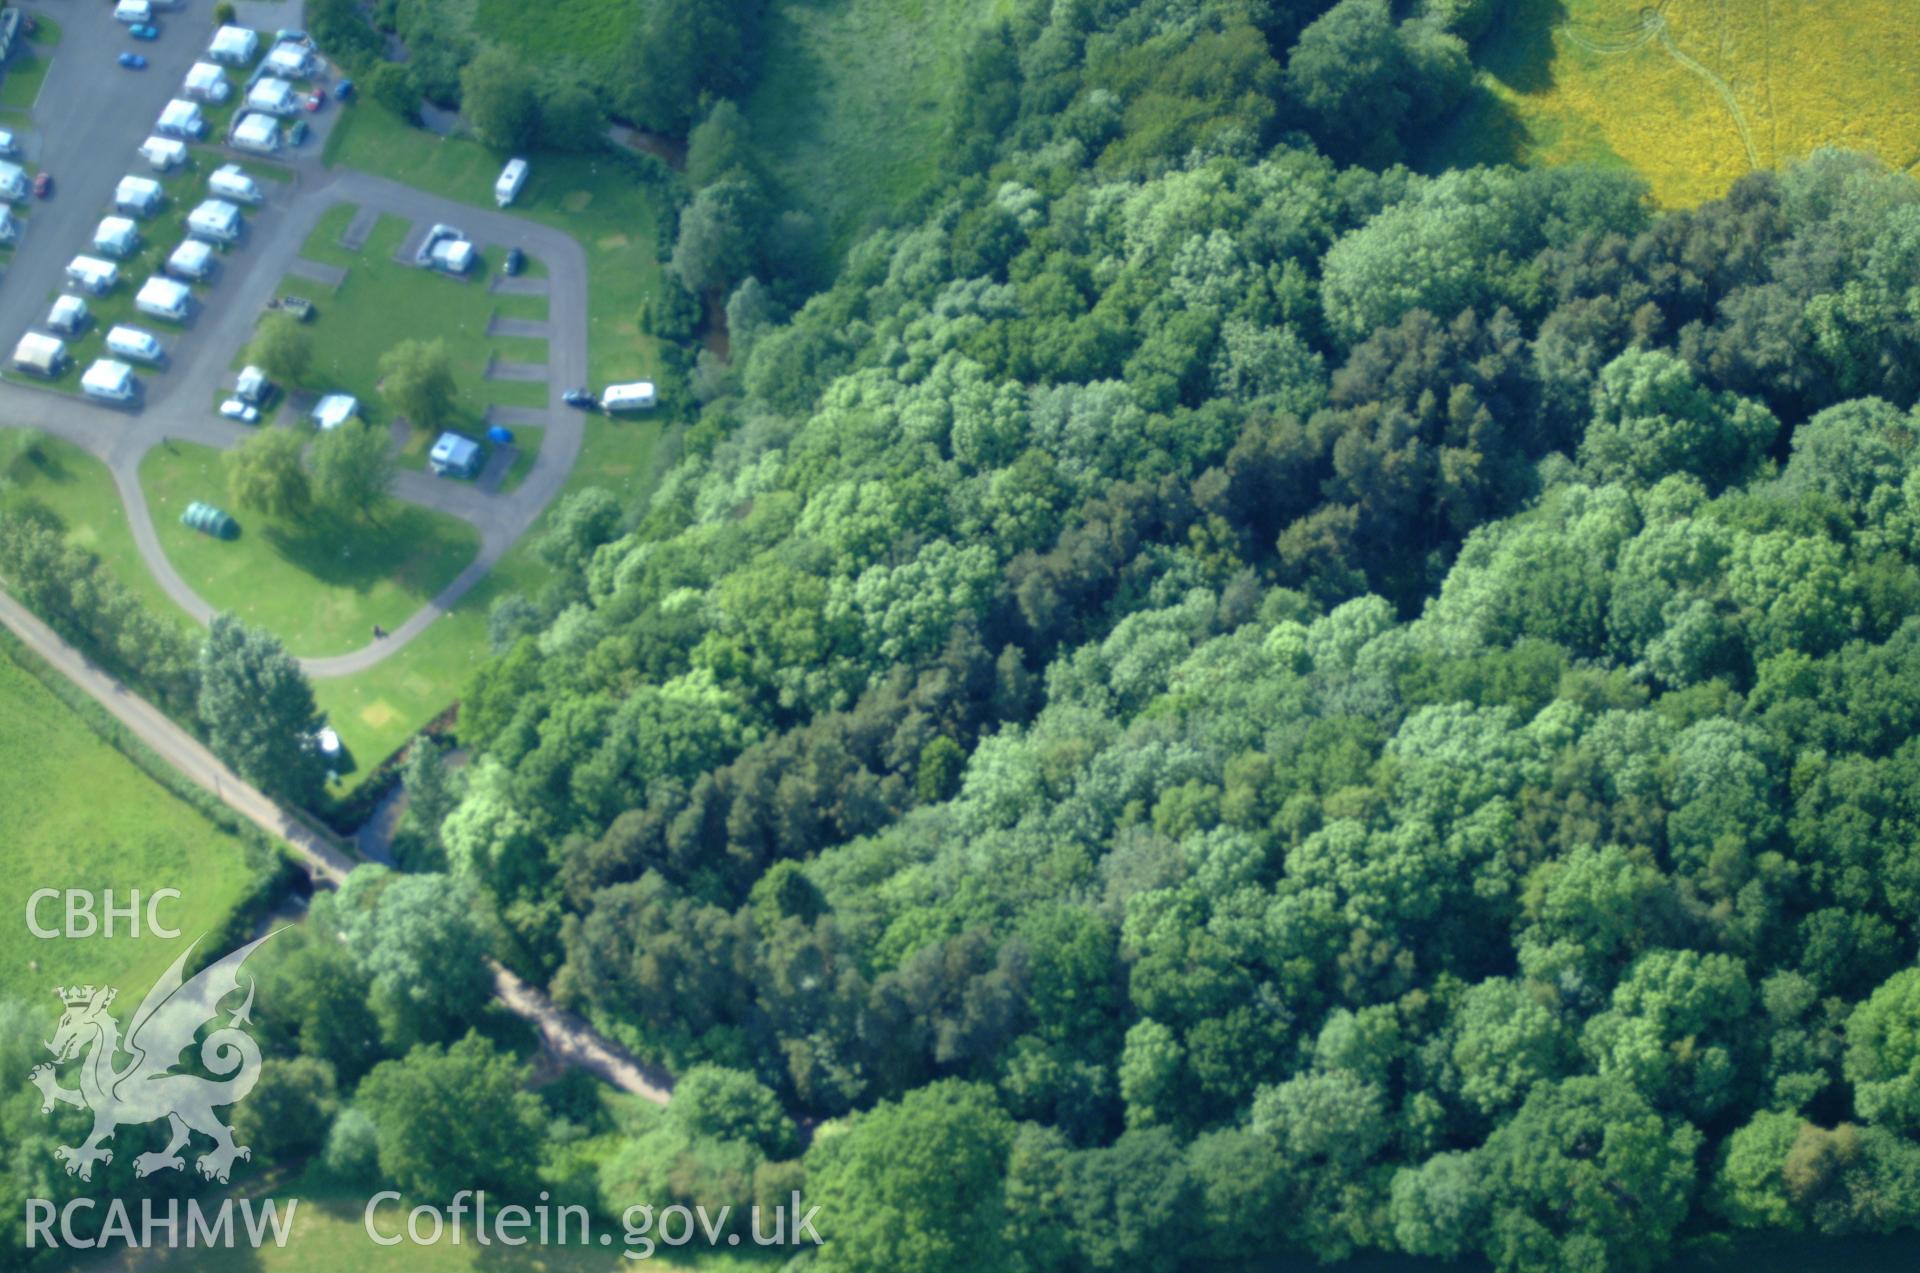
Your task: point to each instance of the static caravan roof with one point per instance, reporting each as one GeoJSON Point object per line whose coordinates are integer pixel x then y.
{"type": "Point", "coordinates": [628, 397]}
{"type": "Point", "coordinates": [94, 271]}
{"type": "Point", "coordinates": [40, 352]}
{"type": "Point", "coordinates": [274, 96]}
{"type": "Point", "coordinates": [69, 313]}
{"type": "Point", "coordinates": [108, 378]}
{"type": "Point", "coordinates": [13, 179]}
{"type": "Point", "coordinates": [290, 60]}
{"type": "Point", "coordinates": [166, 297]}
{"type": "Point", "coordinates": [202, 76]}
{"type": "Point", "coordinates": [164, 152]}
{"type": "Point", "coordinates": [234, 44]}
{"type": "Point", "coordinates": [181, 116]}
{"type": "Point", "coordinates": [511, 178]}
{"type": "Point", "coordinates": [192, 259]}
{"type": "Point", "coordinates": [216, 217]}
{"type": "Point", "coordinates": [453, 255]}
{"type": "Point", "coordinates": [232, 182]}
{"type": "Point", "coordinates": [9, 226]}
{"type": "Point", "coordinates": [335, 410]}
{"type": "Point", "coordinates": [452, 451]}
{"type": "Point", "coordinates": [257, 131]}
{"type": "Point", "coordinates": [137, 192]}
{"type": "Point", "coordinates": [252, 384]}
{"type": "Point", "coordinates": [116, 235]}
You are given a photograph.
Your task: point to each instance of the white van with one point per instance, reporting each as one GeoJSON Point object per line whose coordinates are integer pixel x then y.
{"type": "Point", "coordinates": [512, 178]}
{"type": "Point", "coordinates": [637, 396]}
{"type": "Point", "coordinates": [131, 342]}
{"type": "Point", "coordinates": [133, 12]}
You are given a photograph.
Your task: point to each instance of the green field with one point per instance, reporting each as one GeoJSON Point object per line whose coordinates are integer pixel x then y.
{"type": "Point", "coordinates": [1693, 94]}
{"type": "Point", "coordinates": [78, 489]}
{"type": "Point", "coordinates": [584, 35]}
{"type": "Point", "coordinates": [592, 198]}
{"type": "Point", "coordinates": [858, 89]}
{"type": "Point", "coordinates": [78, 814]}
{"type": "Point", "coordinates": [319, 584]}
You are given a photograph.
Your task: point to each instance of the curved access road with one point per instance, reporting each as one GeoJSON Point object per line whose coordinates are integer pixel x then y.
{"type": "Point", "coordinates": [177, 405]}
{"type": "Point", "coordinates": [87, 124]}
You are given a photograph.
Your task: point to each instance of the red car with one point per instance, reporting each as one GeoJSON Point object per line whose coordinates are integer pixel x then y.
{"type": "Point", "coordinates": [315, 101]}
{"type": "Point", "coordinates": [42, 184]}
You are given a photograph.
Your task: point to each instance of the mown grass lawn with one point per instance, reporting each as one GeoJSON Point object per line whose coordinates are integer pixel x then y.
{"type": "Point", "coordinates": [382, 302]}
{"type": "Point", "coordinates": [591, 197]}
{"type": "Point", "coordinates": [77, 489]}
{"type": "Point", "coordinates": [319, 584]}
{"type": "Point", "coordinates": [850, 104]}
{"type": "Point", "coordinates": [75, 813]}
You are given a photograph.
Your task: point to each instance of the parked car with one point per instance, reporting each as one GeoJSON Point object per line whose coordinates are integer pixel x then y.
{"type": "Point", "coordinates": [297, 135]}
{"type": "Point", "coordinates": [314, 102]}
{"type": "Point", "coordinates": [234, 409]}
{"type": "Point", "coordinates": [133, 61]}
{"type": "Point", "coordinates": [144, 31]}
{"type": "Point", "coordinates": [42, 184]}
{"type": "Point", "coordinates": [343, 90]}
{"type": "Point", "coordinates": [298, 306]}
{"type": "Point", "coordinates": [515, 262]}
{"type": "Point", "coordinates": [581, 398]}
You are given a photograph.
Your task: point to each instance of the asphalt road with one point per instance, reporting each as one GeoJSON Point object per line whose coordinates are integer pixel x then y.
{"type": "Point", "coordinates": [90, 144]}
{"type": "Point", "coordinates": [566, 1035]}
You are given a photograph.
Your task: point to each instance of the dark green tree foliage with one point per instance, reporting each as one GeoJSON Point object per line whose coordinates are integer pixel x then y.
{"type": "Point", "coordinates": [453, 1118]}
{"type": "Point", "coordinates": [258, 710]}
{"type": "Point", "coordinates": [1233, 703]}
{"type": "Point", "coordinates": [85, 602]}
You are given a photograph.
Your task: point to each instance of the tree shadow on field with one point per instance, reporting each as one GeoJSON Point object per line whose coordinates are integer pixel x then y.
{"type": "Point", "coordinates": [1518, 50]}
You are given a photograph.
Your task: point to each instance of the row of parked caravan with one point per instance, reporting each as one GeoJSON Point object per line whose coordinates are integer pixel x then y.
{"type": "Point", "coordinates": [168, 296]}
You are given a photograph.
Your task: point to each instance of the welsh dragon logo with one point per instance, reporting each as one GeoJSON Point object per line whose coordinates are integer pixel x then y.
{"type": "Point", "coordinates": [147, 1087]}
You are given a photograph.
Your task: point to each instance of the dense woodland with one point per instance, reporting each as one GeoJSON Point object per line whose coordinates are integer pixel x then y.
{"type": "Point", "coordinates": [1205, 693]}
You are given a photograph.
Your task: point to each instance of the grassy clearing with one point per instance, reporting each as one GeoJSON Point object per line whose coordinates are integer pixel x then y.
{"type": "Point", "coordinates": [587, 35]}
{"type": "Point", "coordinates": [853, 96]}
{"type": "Point", "coordinates": [382, 302]}
{"type": "Point", "coordinates": [75, 813]}
{"type": "Point", "coordinates": [319, 585]}
{"type": "Point", "coordinates": [78, 489]}
{"type": "Point", "coordinates": [595, 199]}
{"type": "Point", "coordinates": [1693, 94]}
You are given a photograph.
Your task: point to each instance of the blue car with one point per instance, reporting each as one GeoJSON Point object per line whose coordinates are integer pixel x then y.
{"type": "Point", "coordinates": [144, 32]}
{"type": "Point", "coordinates": [133, 61]}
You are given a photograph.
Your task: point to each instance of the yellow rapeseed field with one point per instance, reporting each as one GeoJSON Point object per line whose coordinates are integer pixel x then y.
{"type": "Point", "coordinates": [1694, 93]}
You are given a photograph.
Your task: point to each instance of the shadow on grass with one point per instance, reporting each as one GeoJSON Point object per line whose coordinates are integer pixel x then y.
{"type": "Point", "coordinates": [1519, 50]}
{"type": "Point", "coordinates": [402, 543]}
